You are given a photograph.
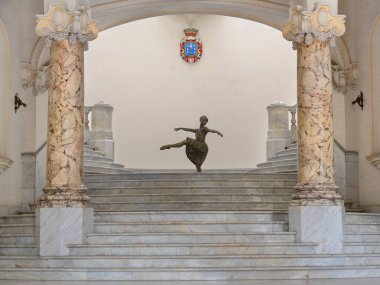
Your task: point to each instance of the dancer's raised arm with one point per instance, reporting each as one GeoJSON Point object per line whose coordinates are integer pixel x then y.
{"type": "Point", "coordinates": [186, 130]}
{"type": "Point", "coordinates": [215, 132]}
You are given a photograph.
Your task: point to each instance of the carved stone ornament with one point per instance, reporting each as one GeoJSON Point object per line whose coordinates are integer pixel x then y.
{"type": "Point", "coordinates": [38, 80]}
{"type": "Point", "coordinates": [5, 163]}
{"type": "Point", "coordinates": [59, 24]}
{"type": "Point", "coordinates": [343, 78]}
{"type": "Point", "coordinates": [320, 25]}
{"type": "Point", "coordinates": [374, 159]}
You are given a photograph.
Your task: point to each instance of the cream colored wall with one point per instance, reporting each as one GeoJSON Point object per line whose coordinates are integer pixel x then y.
{"type": "Point", "coordinates": [137, 69]}
{"type": "Point", "coordinates": [361, 16]}
{"type": "Point", "coordinates": [20, 136]}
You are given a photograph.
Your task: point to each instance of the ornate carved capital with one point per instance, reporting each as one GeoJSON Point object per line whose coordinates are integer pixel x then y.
{"type": "Point", "coordinates": [59, 24]}
{"type": "Point", "coordinates": [343, 78]}
{"type": "Point", "coordinates": [320, 25]}
{"type": "Point", "coordinates": [374, 159]}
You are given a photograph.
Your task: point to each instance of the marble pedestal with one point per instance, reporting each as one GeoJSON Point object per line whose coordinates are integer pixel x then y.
{"type": "Point", "coordinates": [318, 224]}
{"type": "Point", "coordinates": [58, 227]}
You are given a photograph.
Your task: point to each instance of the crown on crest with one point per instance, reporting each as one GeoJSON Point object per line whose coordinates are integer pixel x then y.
{"type": "Point", "coordinates": [190, 32]}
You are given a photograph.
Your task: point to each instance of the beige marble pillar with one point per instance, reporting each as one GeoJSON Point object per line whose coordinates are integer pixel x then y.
{"type": "Point", "coordinates": [312, 34]}
{"type": "Point", "coordinates": [67, 33]}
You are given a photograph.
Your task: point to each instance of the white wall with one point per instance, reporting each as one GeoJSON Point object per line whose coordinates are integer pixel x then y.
{"type": "Point", "coordinates": [360, 18]}
{"type": "Point", "coordinates": [137, 68]}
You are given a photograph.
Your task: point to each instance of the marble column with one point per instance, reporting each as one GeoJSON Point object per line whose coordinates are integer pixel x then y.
{"type": "Point", "coordinates": [316, 208]}
{"type": "Point", "coordinates": [64, 215]}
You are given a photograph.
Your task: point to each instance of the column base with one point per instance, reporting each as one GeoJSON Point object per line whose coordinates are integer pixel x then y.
{"type": "Point", "coordinates": [316, 195]}
{"type": "Point", "coordinates": [322, 225]}
{"type": "Point", "coordinates": [73, 196]}
{"type": "Point", "coordinates": [58, 227]}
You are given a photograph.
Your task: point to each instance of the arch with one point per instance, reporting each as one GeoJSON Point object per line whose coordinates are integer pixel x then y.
{"type": "Point", "coordinates": [4, 85]}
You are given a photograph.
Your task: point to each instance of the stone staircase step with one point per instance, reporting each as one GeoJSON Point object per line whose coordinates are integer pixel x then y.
{"type": "Point", "coordinates": [192, 249]}
{"type": "Point", "coordinates": [362, 237]}
{"type": "Point", "coordinates": [190, 274]}
{"type": "Point", "coordinates": [361, 248]}
{"type": "Point", "coordinates": [191, 206]}
{"type": "Point", "coordinates": [157, 261]}
{"type": "Point", "coordinates": [185, 183]}
{"type": "Point", "coordinates": [191, 216]}
{"type": "Point", "coordinates": [105, 170]}
{"type": "Point", "coordinates": [283, 157]}
{"type": "Point", "coordinates": [16, 229]}
{"type": "Point", "coordinates": [191, 238]}
{"type": "Point", "coordinates": [190, 176]}
{"type": "Point", "coordinates": [196, 198]}
{"type": "Point", "coordinates": [292, 146]}
{"type": "Point", "coordinates": [16, 239]}
{"type": "Point", "coordinates": [14, 219]}
{"type": "Point", "coordinates": [276, 169]}
{"type": "Point", "coordinates": [355, 218]}
{"type": "Point", "coordinates": [26, 249]}
{"type": "Point", "coordinates": [221, 190]}
{"type": "Point", "coordinates": [95, 163]}
{"type": "Point", "coordinates": [93, 153]}
{"type": "Point", "coordinates": [186, 227]}
{"type": "Point", "coordinates": [90, 157]}
{"type": "Point", "coordinates": [275, 163]}
{"type": "Point", "coordinates": [362, 228]}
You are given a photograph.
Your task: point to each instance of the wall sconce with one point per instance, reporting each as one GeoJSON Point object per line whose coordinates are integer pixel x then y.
{"type": "Point", "coordinates": [359, 100]}
{"type": "Point", "coordinates": [18, 103]}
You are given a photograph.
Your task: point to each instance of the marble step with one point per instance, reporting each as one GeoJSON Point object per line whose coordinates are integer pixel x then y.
{"type": "Point", "coordinates": [288, 151]}
{"type": "Point", "coordinates": [188, 198]}
{"type": "Point", "coordinates": [16, 229]}
{"type": "Point", "coordinates": [95, 163]}
{"type": "Point", "coordinates": [191, 216]}
{"type": "Point", "coordinates": [10, 239]}
{"type": "Point", "coordinates": [191, 238]}
{"type": "Point", "coordinates": [189, 176]}
{"type": "Point", "coordinates": [277, 163]}
{"type": "Point", "coordinates": [105, 170]}
{"type": "Point", "coordinates": [283, 157]}
{"type": "Point", "coordinates": [15, 219]}
{"type": "Point", "coordinates": [362, 237]}
{"type": "Point", "coordinates": [277, 169]}
{"type": "Point", "coordinates": [292, 146]}
{"type": "Point", "coordinates": [189, 182]}
{"type": "Point", "coordinates": [20, 250]}
{"type": "Point", "coordinates": [191, 206]}
{"type": "Point", "coordinates": [189, 227]}
{"type": "Point", "coordinates": [191, 274]}
{"type": "Point", "coordinates": [96, 158]}
{"type": "Point", "coordinates": [362, 227]}
{"type": "Point", "coordinates": [89, 147]}
{"type": "Point", "coordinates": [355, 218]}
{"type": "Point", "coordinates": [361, 248]}
{"type": "Point", "coordinates": [192, 249]}
{"type": "Point", "coordinates": [93, 153]}
{"type": "Point", "coordinates": [221, 190]}
{"type": "Point", "coordinates": [156, 261]}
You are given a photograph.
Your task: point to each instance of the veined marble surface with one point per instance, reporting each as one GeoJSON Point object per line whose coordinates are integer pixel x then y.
{"type": "Point", "coordinates": [64, 185]}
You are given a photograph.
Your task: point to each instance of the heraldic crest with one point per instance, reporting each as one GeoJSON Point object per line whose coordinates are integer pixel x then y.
{"type": "Point", "coordinates": [191, 46]}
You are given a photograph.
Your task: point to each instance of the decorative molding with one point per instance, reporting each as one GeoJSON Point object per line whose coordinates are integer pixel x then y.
{"type": "Point", "coordinates": [5, 163]}
{"type": "Point", "coordinates": [38, 80]}
{"type": "Point", "coordinates": [320, 25]}
{"type": "Point", "coordinates": [374, 159]}
{"type": "Point", "coordinates": [343, 78]}
{"type": "Point", "coordinates": [59, 24]}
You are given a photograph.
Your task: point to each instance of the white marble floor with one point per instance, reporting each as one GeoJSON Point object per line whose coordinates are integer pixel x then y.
{"type": "Point", "coordinates": [362, 281]}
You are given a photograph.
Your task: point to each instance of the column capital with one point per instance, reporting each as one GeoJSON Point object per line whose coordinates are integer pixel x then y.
{"type": "Point", "coordinates": [319, 24]}
{"type": "Point", "coordinates": [59, 24]}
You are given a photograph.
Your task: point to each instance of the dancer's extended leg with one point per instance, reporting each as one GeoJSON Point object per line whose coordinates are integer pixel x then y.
{"type": "Point", "coordinates": [176, 145]}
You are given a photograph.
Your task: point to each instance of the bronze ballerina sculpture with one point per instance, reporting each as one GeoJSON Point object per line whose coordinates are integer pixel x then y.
{"type": "Point", "coordinates": [196, 150]}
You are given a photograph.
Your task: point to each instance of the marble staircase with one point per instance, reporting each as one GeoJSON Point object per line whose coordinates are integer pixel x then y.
{"type": "Point", "coordinates": [187, 226]}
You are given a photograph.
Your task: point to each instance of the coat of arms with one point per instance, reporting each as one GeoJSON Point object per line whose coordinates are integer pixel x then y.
{"type": "Point", "coordinates": [191, 46]}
